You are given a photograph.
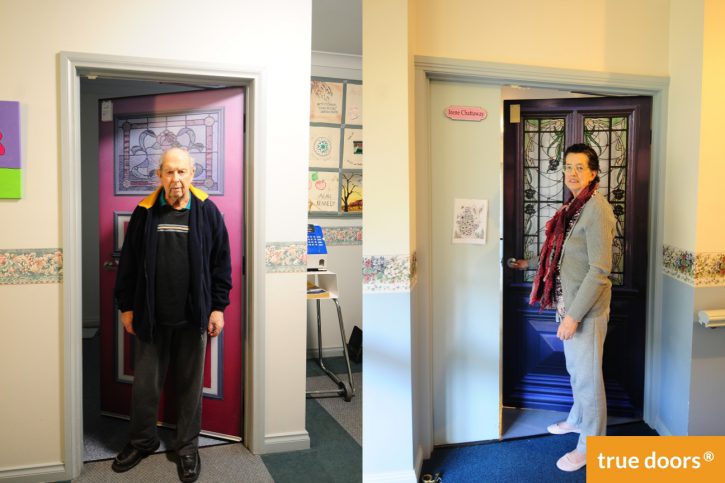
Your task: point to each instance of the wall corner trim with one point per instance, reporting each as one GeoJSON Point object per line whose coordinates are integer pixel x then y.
{"type": "Point", "coordinates": [281, 442]}
{"type": "Point", "coordinates": [41, 472]}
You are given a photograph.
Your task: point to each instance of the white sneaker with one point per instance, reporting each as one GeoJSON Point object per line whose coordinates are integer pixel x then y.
{"type": "Point", "coordinates": [562, 427]}
{"type": "Point", "coordinates": [572, 461]}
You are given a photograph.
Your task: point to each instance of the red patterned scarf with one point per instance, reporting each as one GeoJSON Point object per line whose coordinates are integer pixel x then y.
{"type": "Point", "coordinates": [556, 229]}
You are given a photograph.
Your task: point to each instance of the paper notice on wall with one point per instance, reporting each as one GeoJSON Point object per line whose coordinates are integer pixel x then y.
{"type": "Point", "coordinates": [469, 221]}
{"type": "Point", "coordinates": [107, 111]}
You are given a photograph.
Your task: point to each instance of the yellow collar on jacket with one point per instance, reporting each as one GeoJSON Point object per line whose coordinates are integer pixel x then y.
{"type": "Point", "coordinates": [150, 200]}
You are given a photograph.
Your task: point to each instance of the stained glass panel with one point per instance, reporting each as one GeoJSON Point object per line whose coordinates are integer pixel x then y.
{"type": "Point", "coordinates": [543, 190]}
{"type": "Point", "coordinates": [608, 137]}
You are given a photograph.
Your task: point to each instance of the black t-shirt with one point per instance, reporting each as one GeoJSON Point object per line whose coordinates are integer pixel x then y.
{"type": "Point", "coordinates": [172, 266]}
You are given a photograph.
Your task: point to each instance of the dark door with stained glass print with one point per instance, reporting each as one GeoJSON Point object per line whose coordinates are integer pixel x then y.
{"type": "Point", "coordinates": [535, 138]}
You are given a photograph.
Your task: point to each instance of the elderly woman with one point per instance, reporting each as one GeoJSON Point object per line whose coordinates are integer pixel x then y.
{"type": "Point", "coordinates": [573, 278]}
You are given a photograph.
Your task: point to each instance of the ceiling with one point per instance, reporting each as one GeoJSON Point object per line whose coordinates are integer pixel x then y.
{"type": "Point", "coordinates": [337, 26]}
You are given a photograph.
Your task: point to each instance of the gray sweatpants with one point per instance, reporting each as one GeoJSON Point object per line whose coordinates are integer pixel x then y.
{"type": "Point", "coordinates": [184, 347]}
{"type": "Point", "coordinates": [583, 354]}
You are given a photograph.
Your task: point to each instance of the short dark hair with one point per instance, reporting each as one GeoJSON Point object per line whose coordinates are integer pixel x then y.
{"type": "Point", "coordinates": [592, 157]}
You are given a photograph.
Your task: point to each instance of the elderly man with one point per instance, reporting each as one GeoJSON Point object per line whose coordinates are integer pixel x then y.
{"type": "Point", "coordinates": [172, 287]}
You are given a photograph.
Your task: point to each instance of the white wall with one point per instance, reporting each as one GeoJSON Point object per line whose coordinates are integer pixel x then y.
{"type": "Point", "coordinates": [232, 32]}
{"type": "Point", "coordinates": [465, 279]}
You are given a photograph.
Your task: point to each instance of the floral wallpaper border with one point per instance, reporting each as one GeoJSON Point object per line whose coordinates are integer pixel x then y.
{"type": "Point", "coordinates": [25, 266]}
{"type": "Point", "coordinates": [705, 269]}
{"type": "Point", "coordinates": [286, 257]}
{"type": "Point", "coordinates": [389, 273]}
{"type": "Point", "coordinates": [342, 235]}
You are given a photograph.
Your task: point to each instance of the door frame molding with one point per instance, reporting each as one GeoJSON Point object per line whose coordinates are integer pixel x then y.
{"type": "Point", "coordinates": [71, 67]}
{"type": "Point", "coordinates": [428, 69]}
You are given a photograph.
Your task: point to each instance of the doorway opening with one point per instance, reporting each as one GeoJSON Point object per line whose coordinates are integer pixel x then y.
{"type": "Point", "coordinates": [538, 126]}
{"type": "Point", "coordinates": [166, 76]}
{"type": "Point", "coordinates": [158, 116]}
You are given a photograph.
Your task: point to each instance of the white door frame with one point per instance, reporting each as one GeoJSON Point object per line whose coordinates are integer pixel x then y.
{"type": "Point", "coordinates": [445, 69]}
{"type": "Point", "coordinates": [72, 66]}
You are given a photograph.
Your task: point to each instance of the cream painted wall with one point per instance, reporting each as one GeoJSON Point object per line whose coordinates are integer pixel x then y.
{"type": "Point", "coordinates": [386, 103]}
{"type": "Point", "coordinates": [30, 378]}
{"type": "Point", "coordinates": [230, 32]}
{"type": "Point", "coordinates": [598, 35]}
{"type": "Point", "coordinates": [683, 118]}
{"type": "Point", "coordinates": [710, 202]}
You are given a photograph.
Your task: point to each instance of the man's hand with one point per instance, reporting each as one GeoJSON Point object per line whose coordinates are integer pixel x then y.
{"type": "Point", "coordinates": [127, 319]}
{"type": "Point", "coordinates": [567, 327]}
{"type": "Point", "coordinates": [216, 323]}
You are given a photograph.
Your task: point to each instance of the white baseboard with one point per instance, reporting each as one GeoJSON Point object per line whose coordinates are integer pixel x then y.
{"type": "Point", "coordinates": [34, 473]}
{"type": "Point", "coordinates": [282, 442]}
{"type": "Point", "coordinates": [407, 476]}
{"type": "Point", "coordinates": [419, 461]}
{"type": "Point", "coordinates": [326, 352]}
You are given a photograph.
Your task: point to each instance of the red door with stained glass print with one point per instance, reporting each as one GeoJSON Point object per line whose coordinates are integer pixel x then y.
{"type": "Point", "coordinates": [134, 131]}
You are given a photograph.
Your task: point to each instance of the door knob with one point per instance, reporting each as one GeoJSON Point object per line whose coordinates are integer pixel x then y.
{"type": "Point", "coordinates": [111, 265]}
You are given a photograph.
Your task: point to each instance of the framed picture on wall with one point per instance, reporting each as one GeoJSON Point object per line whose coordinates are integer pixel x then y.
{"type": "Point", "coordinates": [120, 225]}
{"type": "Point", "coordinates": [336, 148]}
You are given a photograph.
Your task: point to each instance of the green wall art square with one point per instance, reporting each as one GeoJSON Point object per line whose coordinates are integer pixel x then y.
{"type": "Point", "coordinates": [10, 169]}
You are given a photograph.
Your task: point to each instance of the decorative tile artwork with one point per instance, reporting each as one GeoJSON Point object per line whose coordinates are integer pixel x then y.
{"type": "Point", "coordinates": [335, 184]}
{"type": "Point", "coordinates": [10, 172]}
{"type": "Point", "coordinates": [140, 139]}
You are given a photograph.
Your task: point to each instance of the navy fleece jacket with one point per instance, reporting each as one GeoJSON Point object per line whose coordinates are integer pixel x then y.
{"type": "Point", "coordinates": [210, 274]}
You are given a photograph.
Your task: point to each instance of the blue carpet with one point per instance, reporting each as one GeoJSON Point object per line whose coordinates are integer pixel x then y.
{"type": "Point", "coordinates": [517, 460]}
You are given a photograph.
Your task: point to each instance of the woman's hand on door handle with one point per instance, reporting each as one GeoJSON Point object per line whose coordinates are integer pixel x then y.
{"type": "Point", "coordinates": [127, 319]}
{"type": "Point", "coordinates": [517, 264]}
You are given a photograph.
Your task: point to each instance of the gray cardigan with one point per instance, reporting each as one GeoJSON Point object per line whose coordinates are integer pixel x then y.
{"type": "Point", "coordinates": [586, 261]}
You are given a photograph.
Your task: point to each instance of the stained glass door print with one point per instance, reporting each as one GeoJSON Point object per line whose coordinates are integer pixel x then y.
{"type": "Point", "coordinates": [209, 124]}
{"type": "Point", "coordinates": [618, 129]}
{"type": "Point", "coordinates": [141, 138]}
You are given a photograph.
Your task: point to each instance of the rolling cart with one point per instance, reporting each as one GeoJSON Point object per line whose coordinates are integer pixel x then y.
{"type": "Point", "coordinates": [322, 285]}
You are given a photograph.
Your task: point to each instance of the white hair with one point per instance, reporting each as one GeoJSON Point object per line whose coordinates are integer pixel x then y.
{"type": "Point", "coordinates": [185, 153]}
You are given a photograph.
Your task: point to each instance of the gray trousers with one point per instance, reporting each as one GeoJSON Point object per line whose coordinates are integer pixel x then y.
{"type": "Point", "coordinates": [184, 347]}
{"type": "Point", "coordinates": [583, 354]}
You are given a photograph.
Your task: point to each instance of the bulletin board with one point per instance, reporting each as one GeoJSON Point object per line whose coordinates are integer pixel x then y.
{"type": "Point", "coordinates": [335, 181]}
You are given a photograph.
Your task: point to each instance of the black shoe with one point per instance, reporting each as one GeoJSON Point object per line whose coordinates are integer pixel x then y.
{"type": "Point", "coordinates": [189, 467]}
{"type": "Point", "coordinates": [129, 457]}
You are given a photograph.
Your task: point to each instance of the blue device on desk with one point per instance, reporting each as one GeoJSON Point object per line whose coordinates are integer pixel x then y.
{"type": "Point", "coordinates": [316, 248]}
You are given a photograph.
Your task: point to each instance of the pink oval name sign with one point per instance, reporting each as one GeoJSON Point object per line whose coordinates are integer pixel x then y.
{"type": "Point", "coordinates": [466, 113]}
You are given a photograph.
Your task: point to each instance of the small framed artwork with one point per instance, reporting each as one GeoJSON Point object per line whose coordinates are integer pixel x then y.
{"type": "Point", "coordinates": [469, 221]}
{"type": "Point", "coordinates": [324, 147]}
{"type": "Point", "coordinates": [326, 101]}
{"type": "Point", "coordinates": [351, 193]}
{"type": "Point", "coordinates": [353, 104]}
{"type": "Point", "coordinates": [322, 188]}
{"type": "Point", "coordinates": [120, 225]}
{"type": "Point", "coordinates": [352, 150]}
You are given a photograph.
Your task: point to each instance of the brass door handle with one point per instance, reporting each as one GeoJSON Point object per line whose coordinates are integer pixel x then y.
{"type": "Point", "coordinates": [111, 265]}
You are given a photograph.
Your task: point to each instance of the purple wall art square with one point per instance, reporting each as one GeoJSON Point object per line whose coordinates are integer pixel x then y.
{"type": "Point", "coordinates": [10, 176]}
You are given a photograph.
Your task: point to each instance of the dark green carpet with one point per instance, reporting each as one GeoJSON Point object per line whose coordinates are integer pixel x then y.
{"type": "Point", "coordinates": [333, 456]}
{"type": "Point", "coordinates": [335, 364]}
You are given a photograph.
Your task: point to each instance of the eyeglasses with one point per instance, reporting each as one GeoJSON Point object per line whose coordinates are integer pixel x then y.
{"type": "Point", "coordinates": [580, 168]}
